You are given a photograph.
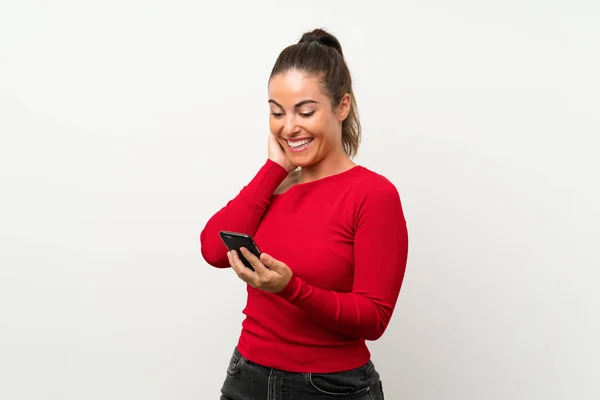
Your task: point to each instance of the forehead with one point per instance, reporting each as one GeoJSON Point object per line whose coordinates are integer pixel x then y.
{"type": "Point", "coordinates": [293, 86]}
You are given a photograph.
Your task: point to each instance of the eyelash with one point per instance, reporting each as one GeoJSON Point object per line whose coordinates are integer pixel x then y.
{"type": "Point", "coordinates": [304, 115]}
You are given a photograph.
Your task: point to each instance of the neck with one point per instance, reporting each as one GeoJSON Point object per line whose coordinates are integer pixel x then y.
{"type": "Point", "coordinates": [332, 164]}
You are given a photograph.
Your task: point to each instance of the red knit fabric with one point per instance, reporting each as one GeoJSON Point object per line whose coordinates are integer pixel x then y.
{"type": "Point", "coordinates": [346, 241]}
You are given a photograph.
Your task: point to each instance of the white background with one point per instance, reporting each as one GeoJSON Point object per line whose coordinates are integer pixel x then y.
{"type": "Point", "coordinates": [126, 124]}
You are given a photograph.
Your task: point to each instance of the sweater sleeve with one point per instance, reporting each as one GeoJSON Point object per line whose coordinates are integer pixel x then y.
{"type": "Point", "coordinates": [380, 256]}
{"type": "Point", "coordinates": [241, 214]}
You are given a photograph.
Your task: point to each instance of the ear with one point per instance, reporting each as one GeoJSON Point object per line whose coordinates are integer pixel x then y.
{"type": "Point", "coordinates": [344, 107]}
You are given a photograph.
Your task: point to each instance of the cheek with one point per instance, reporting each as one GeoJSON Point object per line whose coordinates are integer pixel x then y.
{"type": "Point", "coordinates": [274, 125]}
{"type": "Point", "coordinates": [317, 126]}
{"type": "Point", "coordinates": [324, 128]}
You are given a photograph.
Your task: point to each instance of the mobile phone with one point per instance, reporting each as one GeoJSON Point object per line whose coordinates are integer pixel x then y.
{"type": "Point", "coordinates": [235, 240]}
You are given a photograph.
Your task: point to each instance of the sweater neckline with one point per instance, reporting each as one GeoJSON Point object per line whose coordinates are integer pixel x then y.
{"type": "Point", "coordinates": [329, 178]}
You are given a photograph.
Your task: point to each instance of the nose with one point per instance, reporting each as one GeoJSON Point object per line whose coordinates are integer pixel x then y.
{"type": "Point", "coordinates": [290, 126]}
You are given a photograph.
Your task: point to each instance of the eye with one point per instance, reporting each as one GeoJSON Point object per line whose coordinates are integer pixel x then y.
{"type": "Point", "coordinates": [276, 114]}
{"type": "Point", "coordinates": [308, 114]}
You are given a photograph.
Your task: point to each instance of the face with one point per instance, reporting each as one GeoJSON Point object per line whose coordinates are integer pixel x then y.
{"type": "Point", "coordinates": [302, 118]}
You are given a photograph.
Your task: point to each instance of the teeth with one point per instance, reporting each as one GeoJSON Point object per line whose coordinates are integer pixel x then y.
{"type": "Point", "coordinates": [299, 143]}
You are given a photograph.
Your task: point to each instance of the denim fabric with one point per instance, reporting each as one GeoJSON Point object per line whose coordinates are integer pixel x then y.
{"type": "Point", "coordinates": [246, 380]}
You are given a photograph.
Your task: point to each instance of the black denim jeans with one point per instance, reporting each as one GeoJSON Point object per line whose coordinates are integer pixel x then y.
{"type": "Point", "coordinates": [249, 381]}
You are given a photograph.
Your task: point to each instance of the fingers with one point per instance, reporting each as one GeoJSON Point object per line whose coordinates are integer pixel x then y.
{"type": "Point", "coordinates": [254, 261]}
{"type": "Point", "coordinates": [271, 263]}
{"type": "Point", "coordinates": [232, 261]}
{"type": "Point", "coordinates": [257, 278]}
{"type": "Point", "coordinates": [240, 269]}
{"type": "Point", "coordinates": [269, 274]}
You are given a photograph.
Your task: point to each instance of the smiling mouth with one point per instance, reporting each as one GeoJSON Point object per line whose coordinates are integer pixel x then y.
{"type": "Point", "coordinates": [299, 145]}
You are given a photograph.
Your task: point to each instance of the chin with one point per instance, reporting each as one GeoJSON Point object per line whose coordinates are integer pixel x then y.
{"type": "Point", "coordinates": [301, 164]}
{"type": "Point", "coordinates": [302, 161]}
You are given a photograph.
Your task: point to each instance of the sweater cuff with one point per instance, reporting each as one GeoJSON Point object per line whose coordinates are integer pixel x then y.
{"type": "Point", "coordinates": [266, 181]}
{"type": "Point", "coordinates": [292, 289]}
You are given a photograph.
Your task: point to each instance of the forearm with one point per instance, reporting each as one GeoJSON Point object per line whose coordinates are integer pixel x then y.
{"type": "Point", "coordinates": [351, 314]}
{"type": "Point", "coordinates": [241, 214]}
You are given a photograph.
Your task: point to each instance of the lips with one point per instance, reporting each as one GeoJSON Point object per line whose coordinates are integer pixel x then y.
{"type": "Point", "coordinates": [296, 145]}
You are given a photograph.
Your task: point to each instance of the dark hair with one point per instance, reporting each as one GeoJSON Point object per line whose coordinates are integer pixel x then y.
{"type": "Point", "coordinates": [320, 53]}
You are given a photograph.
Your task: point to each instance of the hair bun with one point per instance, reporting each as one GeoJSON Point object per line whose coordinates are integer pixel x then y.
{"type": "Point", "coordinates": [307, 38]}
{"type": "Point", "coordinates": [322, 37]}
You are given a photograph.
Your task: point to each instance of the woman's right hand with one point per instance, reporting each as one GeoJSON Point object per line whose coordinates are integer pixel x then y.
{"type": "Point", "coordinates": [277, 154]}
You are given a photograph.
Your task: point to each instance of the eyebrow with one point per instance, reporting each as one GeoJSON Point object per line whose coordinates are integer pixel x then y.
{"type": "Point", "coordinates": [300, 104]}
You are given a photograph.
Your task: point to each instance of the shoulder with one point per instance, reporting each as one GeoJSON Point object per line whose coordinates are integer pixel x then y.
{"type": "Point", "coordinates": [376, 201]}
{"type": "Point", "coordinates": [374, 192]}
{"type": "Point", "coordinates": [369, 184]}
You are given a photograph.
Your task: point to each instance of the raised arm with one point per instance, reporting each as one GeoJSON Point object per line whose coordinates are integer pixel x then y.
{"type": "Point", "coordinates": [241, 214]}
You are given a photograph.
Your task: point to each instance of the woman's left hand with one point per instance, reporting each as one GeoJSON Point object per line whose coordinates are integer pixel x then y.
{"type": "Point", "coordinates": [269, 274]}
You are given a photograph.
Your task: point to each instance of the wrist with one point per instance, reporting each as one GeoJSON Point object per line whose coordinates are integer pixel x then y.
{"type": "Point", "coordinates": [286, 166]}
{"type": "Point", "coordinates": [292, 289]}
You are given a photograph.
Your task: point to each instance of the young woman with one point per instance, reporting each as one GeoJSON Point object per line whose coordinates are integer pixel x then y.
{"type": "Point", "coordinates": [333, 236]}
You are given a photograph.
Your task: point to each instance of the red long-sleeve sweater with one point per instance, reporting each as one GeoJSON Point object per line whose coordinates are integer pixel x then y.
{"type": "Point", "coordinates": [345, 239]}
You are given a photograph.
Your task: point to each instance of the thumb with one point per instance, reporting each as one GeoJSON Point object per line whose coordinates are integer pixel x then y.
{"type": "Point", "coordinates": [271, 263]}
